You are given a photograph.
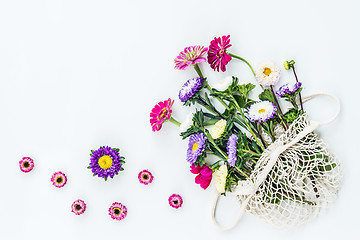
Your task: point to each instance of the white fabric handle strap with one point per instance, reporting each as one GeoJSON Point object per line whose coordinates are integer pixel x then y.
{"type": "Point", "coordinates": [251, 188]}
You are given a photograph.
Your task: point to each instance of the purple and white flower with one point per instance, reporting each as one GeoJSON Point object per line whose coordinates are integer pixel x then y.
{"type": "Point", "coordinates": [262, 111]}
{"type": "Point", "coordinates": [288, 89]}
{"type": "Point", "coordinates": [196, 147]}
{"type": "Point", "coordinates": [190, 88]}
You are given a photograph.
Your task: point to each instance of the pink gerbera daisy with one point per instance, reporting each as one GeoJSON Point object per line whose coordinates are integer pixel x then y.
{"type": "Point", "coordinates": [145, 177]}
{"type": "Point", "coordinates": [117, 211]}
{"type": "Point", "coordinates": [175, 200]}
{"type": "Point", "coordinates": [160, 113]}
{"type": "Point", "coordinates": [190, 56]}
{"type": "Point", "coordinates": [26, 164]}
{"type": "Point", "coordinates": [78, 207]}
{"type": "Point", "coordinates": [58, 179]}
{"type": "Point", "coordinates": [217, 56]}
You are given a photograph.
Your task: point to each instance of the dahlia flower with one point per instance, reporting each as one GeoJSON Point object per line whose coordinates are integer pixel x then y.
{"type": "Point", "coordinates": [268, 74]}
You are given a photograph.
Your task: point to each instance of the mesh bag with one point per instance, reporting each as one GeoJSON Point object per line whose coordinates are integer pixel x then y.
{"type": "Point", "coordinates": [293, 180]}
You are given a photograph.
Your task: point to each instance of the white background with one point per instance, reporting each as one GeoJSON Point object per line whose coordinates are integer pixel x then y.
{"type": "Point", "coordinates": [76, 75]}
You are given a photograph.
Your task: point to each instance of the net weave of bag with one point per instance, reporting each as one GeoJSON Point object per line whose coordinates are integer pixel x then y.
{"type": "Point", "coordinates": [295, 177]}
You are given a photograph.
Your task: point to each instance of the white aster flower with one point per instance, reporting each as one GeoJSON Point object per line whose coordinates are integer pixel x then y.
{"type": "Point", "coordinates": [186, 124]}
{"type": "Point", "coordinates": [218, 129]}
{"type": "Point", "coordinates": [268, 74]}
{"type": "Point", "coordinates": [262, 111]}
{"type": "Point", "coordinates": [220, 178]}
{"type": "Point", "coordinates": [223, 84]}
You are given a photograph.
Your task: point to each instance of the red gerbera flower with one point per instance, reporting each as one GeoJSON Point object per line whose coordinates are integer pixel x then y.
{"type": "Point", "coordinates": [160, 113]}
{"type": "Point", "coordinates": [217, 56]}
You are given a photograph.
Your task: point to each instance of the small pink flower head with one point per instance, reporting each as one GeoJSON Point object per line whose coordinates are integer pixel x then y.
{"type": "Point", "coordinates": [190, 56]}
{"type": "Point", "coordinates": [78, 207]}
{"type": "Point", "coordinates": [117, 211]}
{"type": "Point", "coordinates": [175, 200]}
{"type": "Point", "coordinates": [58, 179]}
{"type": "Point", "coordinates": [160, 113]}
{"type": "Point", "coordinates": [217, 56]}
{"type": "Point", "coordinates": [204, 175]}
{"type": "Point", "coordinates": [26, 164]}
{"type": "Point", "coordinates": [145, 177]}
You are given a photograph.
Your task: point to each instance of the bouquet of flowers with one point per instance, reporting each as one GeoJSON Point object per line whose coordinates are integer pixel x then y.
{"type": "Point", "coordinates": [272, 160]}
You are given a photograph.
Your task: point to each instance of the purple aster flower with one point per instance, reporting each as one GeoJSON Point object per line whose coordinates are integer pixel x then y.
{"type": "Point", "coordinates": [196, 147]}
{"type": "Point", "coordinates": [189, 89]}
{"type": "Point", "coordinates": [232, 149]}
{"type": "Point", "coordinates": [190, 56]}
{"type": "Point", "coordinates": [288, 89]}
{"type": "Point", "coordinates": [106, 162]}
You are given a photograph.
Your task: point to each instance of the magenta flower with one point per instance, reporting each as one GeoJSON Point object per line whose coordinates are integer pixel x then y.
{"type": "Point", "coordinates": [58, 179]}
{"type": "Point", "coordinates": [26, 164]}
{"type": "Point", "coordinates": [204, 175]}
{"type": "Point", "coordinates": [145, 177]}
{"type": "Point", "coordinates": [190, 56]}
{"type": "Point", "coordinates": [175, 200]}
{"type": "Point", "coordinates": [117, 211]}
{"type": "Point", "coordinates": [217, 56]}
{"type": "Point", "coordinates": [160, 113]}
{"type": "Point", "coordinates": [78, 207]}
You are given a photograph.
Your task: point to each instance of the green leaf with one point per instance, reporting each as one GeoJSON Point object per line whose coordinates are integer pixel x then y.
{"type": "Point", "coordinates": [267, 95]}
{"type": "Point", "coordinates": [240, 100]}
{"type": "Point", "coordinates": [117, 149]}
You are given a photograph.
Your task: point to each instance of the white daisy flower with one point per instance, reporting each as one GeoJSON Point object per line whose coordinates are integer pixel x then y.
{"type": "Point", "coordinates": [186, 124]}
{"type": "Point", "coordinates": [268, 74]}
{"type": "Point", "coordinates": [220, 178]}
{"type": "Point", "coordinates": [223, 84]}
{"type": "Point", "coordinates": [262, 111]}
{"type": "Point", "coordinates": [218, 129]}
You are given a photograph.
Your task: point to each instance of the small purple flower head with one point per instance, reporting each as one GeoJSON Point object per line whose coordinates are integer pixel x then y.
{"type": "Point", "coordinates": [232, 149]}
{"type": "Point", "coordinates": [196, 147]}
{"type": "Point", "coordinates": [190, 88]}
{"type": "Point", "coordinates": [288, 89]}
{"type": "Point", "coordinates": [106, 162]}
{"type": "Point", "coordinates": [190, 56]}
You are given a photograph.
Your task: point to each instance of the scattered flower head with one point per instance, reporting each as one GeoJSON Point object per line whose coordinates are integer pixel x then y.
{"type": "Point", "coordinates": [268, 74]}
{"type": "Point", "coordinates": [190, 88]}
{"type": "Point", "coordinates": [217, 56]}
{"type": "Point", "coordinates": [196, 147]}
{"type": "Point", "coordinates": [204, 175]}
{"type": "Point", "coordinates": [223, 84]}
{"type": "Point", "coordinates": [190, 56]}
{"type": "Point", "coordinates": [106, 162]}
{"type": "Point", "coordinates": [232, 149]}
{"type": "Point", "coordinates": [262, 111]}
{"type": "Point", "coordinates": [117, 211]}
{"type": "Point", "coordinates": [160, 113]}
{"type": "Point", "coordinates": [221, 175]}
{"type": "Point", "coordinates": [26, 164]}
{"type": "Point", "coordinates": [288, 89]}
{"type": "Point", "coordinates": [145, 177]}
{"type": "Point", "coordinates": [78, 207]}
{"type": "Point", "coordinates": [58, 179]}
{"type": "Point", "coordinates": [175, 201]}
{"type": "Point", "coordinates": [218, 129]}
{"type": "Point", "coordinates": [186, 124]}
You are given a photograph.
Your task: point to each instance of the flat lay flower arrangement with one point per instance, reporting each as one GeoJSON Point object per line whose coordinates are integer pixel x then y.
{"type": "Point", "coordinates": [269, 157]}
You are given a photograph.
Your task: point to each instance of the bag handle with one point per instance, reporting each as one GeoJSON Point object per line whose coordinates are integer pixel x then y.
{"type": "Point", "coordinates": [251, 191]}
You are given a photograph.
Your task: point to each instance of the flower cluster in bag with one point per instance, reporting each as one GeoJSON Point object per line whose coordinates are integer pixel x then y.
{"type": "Point", "coordinates": [240, 130]}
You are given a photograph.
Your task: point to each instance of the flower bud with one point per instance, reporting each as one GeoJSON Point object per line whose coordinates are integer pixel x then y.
{"type": "Point", "coordinates": [286, 65]}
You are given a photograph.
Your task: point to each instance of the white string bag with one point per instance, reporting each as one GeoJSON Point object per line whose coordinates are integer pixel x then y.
{"type": "Point", "coordinates": [293, 180]}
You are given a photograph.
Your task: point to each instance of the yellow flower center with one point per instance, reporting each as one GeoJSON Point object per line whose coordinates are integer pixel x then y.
{"type": "Point", "coordinates": [195, 147]}
{"type": "Point", "coordinates": [261, 110]}
{"type": "Point", "coordinates": [105, 162]}
{"type": "Point", "coordinates": [59, 180]}
{"type": "Point", "coordinates": [267, 71]}
{"type": "Point", "coordinates": [162, 113]}
{"type": "Point", "coordinates": [117, 210]}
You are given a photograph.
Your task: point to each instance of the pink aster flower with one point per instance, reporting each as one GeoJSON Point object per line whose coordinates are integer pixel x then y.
{"type": "Point", "coordinates": [217, 56]}
{"type": "Point", "coordinates": [78, 207]}
{"type": "Point", "coordinates": [175, 200]}
{"type": "Point", "coordinates": [190, 56]}
{"type": "Point", "coordinates": [26, 164]}
{"type": "Point", "coordinates": [58, 179]}
{"type": "Point", "coordinates": [204, 175]}
{"type": "Point", "coordinates": [160, 113]}
{"type": "Point", "coordinates": [117, 211]}
{"type": "Point", "coordinates": [145, 177]}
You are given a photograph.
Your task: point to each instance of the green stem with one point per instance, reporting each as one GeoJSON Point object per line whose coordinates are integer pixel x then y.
{"type": "Point", "coordinates": [197, 69]}
{"type": "Point", "coordinates": [247, 176]}
{"type": "Point", "coordinates": [172, 120]}
{"type": "Point", "coordinates": [281, 115]}
{"type": "Point", "coordinates": [252, 152]}
{"type": "Point", "coordinates": [242, 59]}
